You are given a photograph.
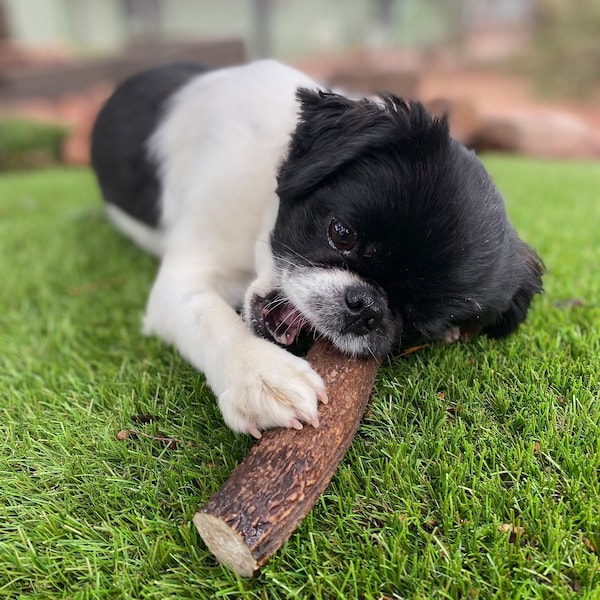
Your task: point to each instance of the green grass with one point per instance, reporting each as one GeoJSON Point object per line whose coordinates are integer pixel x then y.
{"type": "Point", "coordinates": [476, 472]}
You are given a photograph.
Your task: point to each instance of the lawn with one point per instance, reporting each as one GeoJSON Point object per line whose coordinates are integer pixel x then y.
{"type": "Point", "coordinates": [475, 474]}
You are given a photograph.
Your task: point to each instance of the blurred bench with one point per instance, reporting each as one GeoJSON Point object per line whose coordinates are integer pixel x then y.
{"type": "Point", "coordinates": [52, 81]}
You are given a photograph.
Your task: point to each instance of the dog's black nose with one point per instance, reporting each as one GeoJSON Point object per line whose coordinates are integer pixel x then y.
{"type": "Point", "coordinates": [363, 311]}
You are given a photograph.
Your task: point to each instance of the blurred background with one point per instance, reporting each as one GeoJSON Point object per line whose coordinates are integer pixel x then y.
{"type": "Point", "coordinates": [513, 75]}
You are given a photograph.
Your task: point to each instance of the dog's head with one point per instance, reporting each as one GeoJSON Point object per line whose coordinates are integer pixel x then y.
{"type": "Point", "coordinates": [387, 227]}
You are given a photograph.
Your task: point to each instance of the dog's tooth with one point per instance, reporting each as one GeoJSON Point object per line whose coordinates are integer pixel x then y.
{"type": "Point", "coordinates": [281, 338]}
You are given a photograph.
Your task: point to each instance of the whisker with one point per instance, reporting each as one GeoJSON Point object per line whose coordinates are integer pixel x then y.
{"type": "Point", "coordinates": [290, 249]}
{"type": "Point", "coordinates": [286, 260]}
{"type": "Point", "coordinates": [276, 302]}
{"type": "Point", "coordinates": [371, 352]}
{"type": "Point", "coordinates": [299, 320]}
{"type": "Point", "coordinates": [312, 264]}
{"type": "Point", "coordinates": [316, 335]}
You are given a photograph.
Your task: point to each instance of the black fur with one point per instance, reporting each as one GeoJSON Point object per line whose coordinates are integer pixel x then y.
{"type": "Point", "coordinates": [125, 172]}
{"type": "Point", "coordinates": [433, 232]}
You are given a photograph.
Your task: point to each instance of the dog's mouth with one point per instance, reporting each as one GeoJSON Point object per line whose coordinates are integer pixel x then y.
{"type": "Point", "coordinates": [276, 317]}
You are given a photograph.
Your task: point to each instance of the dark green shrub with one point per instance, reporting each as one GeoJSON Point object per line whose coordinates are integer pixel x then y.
{"type": "Point", "coordinates": [28, 144]}
{"type": "Point", "coordinates": [565, 55]}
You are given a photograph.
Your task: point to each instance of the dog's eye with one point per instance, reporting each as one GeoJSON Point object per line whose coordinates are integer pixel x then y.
{"type": "Point", "coordinates": [340, 236]}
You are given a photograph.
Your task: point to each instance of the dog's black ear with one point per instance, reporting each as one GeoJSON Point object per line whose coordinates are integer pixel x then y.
{"type": "Point", "coordinates": [324, 140]}
{"type": "Point", "coordinates": [333, 131]}
{"type": "Point", "coordinates": [509, 321]}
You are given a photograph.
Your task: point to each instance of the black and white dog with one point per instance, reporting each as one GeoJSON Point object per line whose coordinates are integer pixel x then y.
{"type": "Point", "coordinates": [361, 221]}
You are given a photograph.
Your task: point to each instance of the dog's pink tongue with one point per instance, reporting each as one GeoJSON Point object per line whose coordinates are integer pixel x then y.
{"type": "Point", "coordinates": [284, 323]}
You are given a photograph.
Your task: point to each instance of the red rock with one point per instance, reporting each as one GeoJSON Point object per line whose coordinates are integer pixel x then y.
{"type": "Point", "coordinates": [464, 118]}
{"type": "Point", "coordinates": [545, 134]}
{"type": "Point", "coordinates": [37, 109]}
{"type": "Point", "coordinates": [368, 79]}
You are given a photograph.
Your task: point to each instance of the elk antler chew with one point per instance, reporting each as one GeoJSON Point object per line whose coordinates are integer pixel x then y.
{"type": "Point", "coordinates": [273, 489]}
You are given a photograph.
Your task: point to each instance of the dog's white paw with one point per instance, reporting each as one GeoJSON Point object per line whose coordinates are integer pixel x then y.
{"type": "Point", "coordinates": [269, 387]}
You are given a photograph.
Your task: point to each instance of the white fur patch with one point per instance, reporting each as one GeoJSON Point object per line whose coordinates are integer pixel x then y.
{"type": "Point", "coordinates": [218, 148]}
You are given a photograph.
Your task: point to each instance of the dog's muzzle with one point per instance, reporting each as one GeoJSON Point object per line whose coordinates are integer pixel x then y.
{"type": "Point", "coordinates": [358, 324]}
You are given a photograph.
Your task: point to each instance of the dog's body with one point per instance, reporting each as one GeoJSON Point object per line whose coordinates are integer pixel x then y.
{"type": "Point", "coordinates": [361, 221]}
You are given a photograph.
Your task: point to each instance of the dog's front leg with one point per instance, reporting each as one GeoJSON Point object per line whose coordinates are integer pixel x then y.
{"type": "Point", "coordinates": [258, 384]}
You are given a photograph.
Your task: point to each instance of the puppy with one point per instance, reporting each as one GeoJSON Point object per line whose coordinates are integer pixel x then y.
{"type": "Point", "coordinates": [360, 221]}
